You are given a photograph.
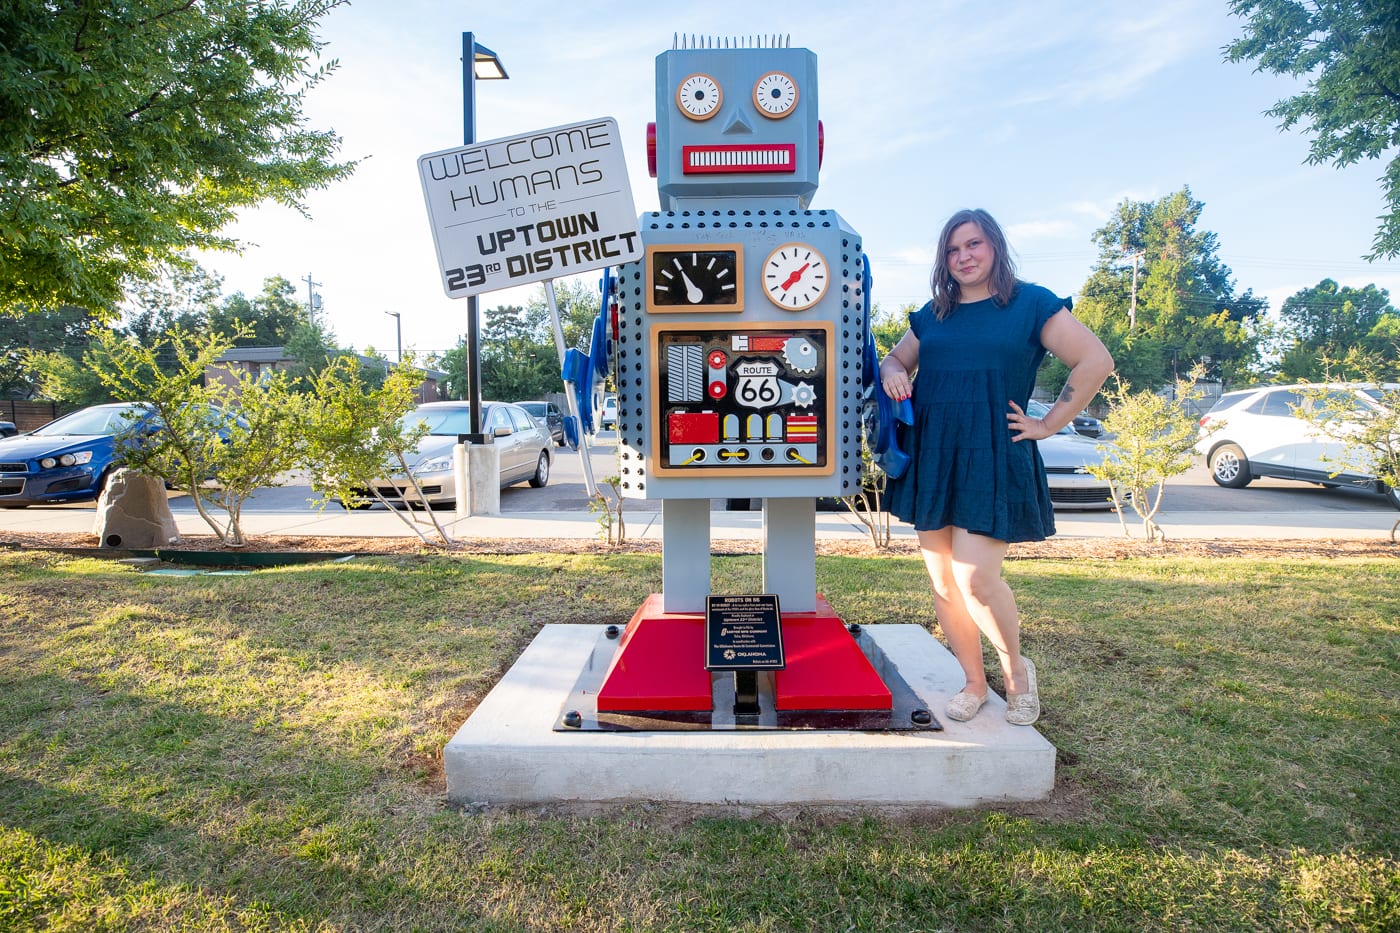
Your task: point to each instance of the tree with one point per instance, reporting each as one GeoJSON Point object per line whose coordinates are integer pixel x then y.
{"type": "Point", "coordinates": [1328, 321]}
{"type": "Point", "coordinates": [1186, 310]}
{"type": "Point", "coordinates": [1369, 435]}
{"type": "Point", "coordinates": [1349, 51]}
{"type": "Point", "coordinates": [28, 341]}
{"type": "Point", "coordinates": [1153, 439]}
{"type": "Point", "coordinates": [516, 361]}
{"type": "Point", "coordinates": [73, 382]}
{"type": "Point", "coordinates": [578, 302]}
{"type": "Point", "coordinates": [453, 365]}
{"type": "Point", "coordinates": [133, 130]}
{"type": "Point", "coordinates": [355, 430]}
{"type": "Point", "coordinates": [889, 327]}
{"type": "Point", "coordinates": [183, 295]}
{"type": "Point", "coordinates": [240, 438]}
{"type": "Point", "coordinates": [312, 348]}
{"type": "Point", "coordinates": [270, 317]}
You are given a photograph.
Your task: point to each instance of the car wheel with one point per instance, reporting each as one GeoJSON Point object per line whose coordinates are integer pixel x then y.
{"type": "Point", "coordinates": [541, 471]}
{"type": "Point", "coordinates": [14, 505]}
{"type": "Point", "coordinates": [1229, 467]}
{"type": "Point", "coordinates": [1392, 495]}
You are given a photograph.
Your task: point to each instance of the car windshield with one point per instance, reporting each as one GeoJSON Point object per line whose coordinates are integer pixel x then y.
{"type": "Point", "coordinates": [107, 419]}
{"type": "Point", "coordinates": [534, 408]}
{"type": "Point", "coordinates": [445, 421]}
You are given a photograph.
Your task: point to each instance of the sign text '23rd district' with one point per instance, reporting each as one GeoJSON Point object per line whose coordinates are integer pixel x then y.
{"type": "Point", "coordinates": [578, 247]}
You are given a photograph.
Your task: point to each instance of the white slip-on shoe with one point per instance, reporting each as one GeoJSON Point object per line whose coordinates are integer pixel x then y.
{"type": "Point", "coordinates": [1022, 709]}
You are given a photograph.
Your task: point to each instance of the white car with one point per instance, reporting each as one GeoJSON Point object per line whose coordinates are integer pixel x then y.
{"type": "Point", "coordinates": [607, 414]}
{"type": "Point", "coordinates": [1259, 435]}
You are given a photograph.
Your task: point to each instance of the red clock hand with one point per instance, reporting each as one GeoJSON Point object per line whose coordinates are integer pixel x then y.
{"type": "Point", "coordinates": [796, 276]}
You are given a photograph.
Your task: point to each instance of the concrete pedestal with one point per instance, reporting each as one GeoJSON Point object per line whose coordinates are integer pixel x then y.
{"type": "Point", "coordinates": [483, 479]}
{"type": "Point", "coordinates": [508, 752]}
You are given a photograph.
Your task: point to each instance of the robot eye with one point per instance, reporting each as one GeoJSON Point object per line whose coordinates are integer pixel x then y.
{"type": "Point", "coordinates": [699, 97]}
{"type": "Point", "coordinates": [775, 95]}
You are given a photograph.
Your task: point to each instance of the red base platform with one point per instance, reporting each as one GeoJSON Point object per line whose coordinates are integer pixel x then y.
{"type": "Point", "coordinates": [660, 665]}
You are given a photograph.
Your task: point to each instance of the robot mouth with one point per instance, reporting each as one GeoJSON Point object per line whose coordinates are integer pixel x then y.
{"type": "Point", "coordinates": [733, 160]}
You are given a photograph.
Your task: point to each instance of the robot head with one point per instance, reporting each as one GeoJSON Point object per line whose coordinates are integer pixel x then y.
{"type": "Point", "coordinates": [736, 123]}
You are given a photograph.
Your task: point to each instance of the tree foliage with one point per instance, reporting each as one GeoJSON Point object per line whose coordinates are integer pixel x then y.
{"type": "Point", "coordinates": [30, 340]}
{"type": "Point", "coordinates": [1369, 435]}
{"type": "Point", "coordinates": [1349, 52]}
{"type": "Point", "coordinates": [889, 327]}
{"type": "Point", "coordinates": [268, 319]}
{"type": "Point", "coordinates": [183, 295]}
{"type": "Point", "coordinates": [1327, 323]}
{"type": "Point", "coordinates": [519, 357]}
{"type": "Point", "coordinates": [355, 429]}
{"type": "Point", "coordinates": [216, 442]}
{"type": "Point", "coordinates": [1187, 311]}
{"type": "Point", "coordinates": [133, 130]}
{"type": "Point", "coordinates": [1153, 439]}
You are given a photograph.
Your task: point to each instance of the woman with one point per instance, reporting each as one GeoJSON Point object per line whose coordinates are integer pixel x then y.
{"type": "Point", "coordinates": [976, 483]}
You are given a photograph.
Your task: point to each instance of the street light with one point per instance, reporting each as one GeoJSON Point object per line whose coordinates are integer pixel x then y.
{"type": "Point", "coordinates": [478, 63]}
{"type": "Point", "coordinates": [398, 333]}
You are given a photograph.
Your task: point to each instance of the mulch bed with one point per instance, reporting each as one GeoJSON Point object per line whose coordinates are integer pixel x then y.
{"type": "Point", "coordinates": [1055, 548]}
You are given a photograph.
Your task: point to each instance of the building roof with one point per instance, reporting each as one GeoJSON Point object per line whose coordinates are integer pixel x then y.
{"type": "Point", "coordinates": [279, 355]}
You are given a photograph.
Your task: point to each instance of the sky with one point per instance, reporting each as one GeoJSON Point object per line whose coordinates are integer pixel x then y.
{"type": "Point", "coordinates": [1047, 114]}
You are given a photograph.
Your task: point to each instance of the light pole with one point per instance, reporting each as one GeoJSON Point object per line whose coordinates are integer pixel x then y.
{"type": "Point", "coordinates": [398, 334]}
{"type": "Point", "coordinates": [478, 62]}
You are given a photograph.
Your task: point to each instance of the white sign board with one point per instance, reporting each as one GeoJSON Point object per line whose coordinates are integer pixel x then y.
{"type": "Point", "coordinates": [527, 208]}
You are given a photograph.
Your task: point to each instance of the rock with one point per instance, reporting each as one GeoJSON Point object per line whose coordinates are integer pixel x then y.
{"type": "Point", "coordinates": [134, 512]}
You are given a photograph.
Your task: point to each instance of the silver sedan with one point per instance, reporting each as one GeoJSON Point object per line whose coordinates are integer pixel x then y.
{"type": "Point", "coordinates": [525, 450]}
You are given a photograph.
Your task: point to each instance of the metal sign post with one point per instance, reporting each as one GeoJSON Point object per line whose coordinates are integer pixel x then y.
{"type": "Point", "coordinates": [588, 483]}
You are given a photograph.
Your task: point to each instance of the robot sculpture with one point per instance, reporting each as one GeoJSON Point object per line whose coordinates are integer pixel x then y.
{"type": "Point", "coordinates": [740, 352]}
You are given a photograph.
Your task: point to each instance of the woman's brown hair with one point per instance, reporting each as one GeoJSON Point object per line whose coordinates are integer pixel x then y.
{"type": "Point", "coordinates": [946, 291]}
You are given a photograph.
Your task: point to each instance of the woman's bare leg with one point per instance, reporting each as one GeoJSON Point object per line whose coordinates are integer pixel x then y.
{"type": "Point", "coordinates": [964, 637]}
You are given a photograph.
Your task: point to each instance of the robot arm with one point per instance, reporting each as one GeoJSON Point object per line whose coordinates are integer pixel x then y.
{"type": "Point", "coordinates": [883, 435]}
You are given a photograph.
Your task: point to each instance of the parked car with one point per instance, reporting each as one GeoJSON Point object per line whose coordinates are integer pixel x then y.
{"type": "Point", "coordinates": [1260, 435]}
{"type": "Point", "coordinates": [8, 429]}
{"type": "Point", "coordinates": [607, 414]}
{"type": "Point", "coordinates": [1087, 425]}
{"type": "Point", "coordinates": [67, 460]}
{"type": "Point", "coordinates": [549, 415]}
{"type": "Point", "coordinates": [524, 446]}
{"type": "Point", "coordinates": [1067, 456]}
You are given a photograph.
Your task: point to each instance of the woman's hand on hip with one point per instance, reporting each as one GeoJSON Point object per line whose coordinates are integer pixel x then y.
{"type": "Point", "coordinates": [1024, 427]}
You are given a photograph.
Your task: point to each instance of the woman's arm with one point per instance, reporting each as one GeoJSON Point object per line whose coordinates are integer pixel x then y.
{"type": "Point", "coordinates": [898, 368]}
{"type": "Point", "coordinates": [1089, 364]}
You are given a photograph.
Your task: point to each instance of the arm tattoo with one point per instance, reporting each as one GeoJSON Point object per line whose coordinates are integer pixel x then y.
{"type": "Point", "coordinates": [1066, 394]}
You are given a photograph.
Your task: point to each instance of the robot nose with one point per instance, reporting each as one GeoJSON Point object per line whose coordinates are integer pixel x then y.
{"type": "Point", "coordinates": [737, 126]}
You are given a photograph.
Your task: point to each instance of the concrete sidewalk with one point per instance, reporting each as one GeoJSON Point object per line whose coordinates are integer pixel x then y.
{"type": "Point", "coordinates": [644, 523]}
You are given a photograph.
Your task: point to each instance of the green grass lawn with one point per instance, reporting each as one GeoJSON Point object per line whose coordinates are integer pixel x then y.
{"type": "Point", "coordinates": [264, 753]}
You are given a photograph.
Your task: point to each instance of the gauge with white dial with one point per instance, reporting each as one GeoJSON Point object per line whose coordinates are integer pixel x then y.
{"type": "Point", "coordinates": [775, 94]}
{"type": "Point", "coordinates": [795, 276]}
{"type": "Point", "coordinates": [705, 277]}
{"type": "Point", "coordinates": [699, 96]}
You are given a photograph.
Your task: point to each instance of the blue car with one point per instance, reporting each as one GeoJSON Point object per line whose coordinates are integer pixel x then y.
{"type": "Point", "coordinates": [67, 460]}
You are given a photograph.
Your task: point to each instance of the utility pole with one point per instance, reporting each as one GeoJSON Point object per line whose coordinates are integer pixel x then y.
{"type": "Point", "coordinates": [1132, 304]}
{"type": "Point", "coordinates": [310, 299]}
